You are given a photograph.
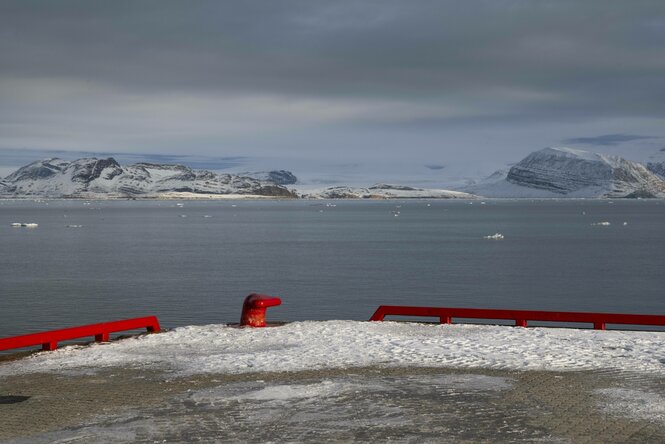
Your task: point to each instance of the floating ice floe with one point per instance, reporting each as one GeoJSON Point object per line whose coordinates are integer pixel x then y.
{"type": "Point", "coordinates": [25, 224]}
{"type": "Point", "coordinates": [603, 224]}
{"type": "Point", "coordinates": [74, 226]}
{"type": "Point", "coordinates": [495, 236]}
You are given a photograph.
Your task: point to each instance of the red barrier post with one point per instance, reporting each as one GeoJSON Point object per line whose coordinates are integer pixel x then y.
{"type": "Point", "coordinates": [254, 309]}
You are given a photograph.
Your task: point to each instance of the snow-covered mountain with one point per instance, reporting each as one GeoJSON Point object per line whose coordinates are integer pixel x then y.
{"type": "Point", "coordinates": [385, 191]}
{"type": "Point", "coordinates": [92, 177]}
{"type": "Point", "coordinates": [658, 168]}
{"type": "Point", "coordinates": [656, 163]}
{"type": "Point", "coordinates": [278, 177]}
{"type": "Point", "coordinates": [566, 172]}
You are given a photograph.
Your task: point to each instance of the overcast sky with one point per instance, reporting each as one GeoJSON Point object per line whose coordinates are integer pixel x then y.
{"type": "Point", "coordinates": [375, 87]}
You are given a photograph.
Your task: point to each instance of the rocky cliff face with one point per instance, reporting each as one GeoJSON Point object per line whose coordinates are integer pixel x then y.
{"type": "Point", "coordinates": [105, 177]}
{"type": "Point", "coordinates": [656, 164]}
{"type": "Point", "coordinates": [278, 177]}
{"type": "Point", "coordinates": [579, 173]}
{"type": "Point", "coordinates": [658, 168]}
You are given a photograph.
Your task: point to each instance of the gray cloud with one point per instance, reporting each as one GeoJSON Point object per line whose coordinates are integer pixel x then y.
{"type": "Point", "coordinates": [16, 157]}
{"type": "Point", "coordinates": [301, 78]}
{"type": "Point", "coordinates": [607, 139]}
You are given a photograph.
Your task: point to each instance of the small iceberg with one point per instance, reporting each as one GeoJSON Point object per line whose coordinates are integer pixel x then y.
{"type": "Point", "coordinates": [25, 224]}
{"type": "Point", "coordinates": [74, 226]}
{"type": "Point", "coordinates": [495, 236]}
{"type": "Point", "coordinates": [602, 224]}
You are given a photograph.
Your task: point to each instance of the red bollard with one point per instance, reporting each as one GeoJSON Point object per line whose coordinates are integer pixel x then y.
{"type": "Point", "coordinates": [254, 309]}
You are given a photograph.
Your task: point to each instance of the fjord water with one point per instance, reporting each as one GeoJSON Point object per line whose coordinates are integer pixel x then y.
{"type": "Point", "coordinates": [137, 258]}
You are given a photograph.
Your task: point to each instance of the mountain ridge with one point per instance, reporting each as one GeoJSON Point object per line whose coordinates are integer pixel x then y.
{"type": "Point", "coordinates": [92, 177]}
{"type": "Point", "coordinates": [568, 172]}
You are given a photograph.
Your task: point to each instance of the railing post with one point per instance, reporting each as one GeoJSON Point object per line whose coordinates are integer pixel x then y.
{"type": "Point", "coordinates": [48, 346]}
{"type": "Point", "coordinates": [520, 322]}
{"type": "Point", "coordinates": [445, 319]}
{"type": "Point", "coordinates": [378, 315]}
{"type": "Point", "coordinates": [599, 325]}
{"type": "Point", "coordinates": [102, 337]}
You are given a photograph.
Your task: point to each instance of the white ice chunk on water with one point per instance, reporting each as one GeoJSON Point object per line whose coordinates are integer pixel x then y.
{"type": "Point", "coordinates": [601, 224]}
{"type": "Point", "coordinates": [495, 236]}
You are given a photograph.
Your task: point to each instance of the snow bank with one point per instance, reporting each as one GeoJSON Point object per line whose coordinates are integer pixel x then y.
{"type": "Point", "coordinates": [342, 344]}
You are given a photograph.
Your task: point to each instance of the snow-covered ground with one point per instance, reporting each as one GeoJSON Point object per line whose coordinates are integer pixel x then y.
{"type": "Point", "coordinates": [341, 344]}
{"type": "Point", "coordinates": [380, 191]}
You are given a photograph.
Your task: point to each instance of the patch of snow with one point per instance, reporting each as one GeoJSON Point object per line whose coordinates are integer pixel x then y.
{"type": "Point", "coordinates": [384, 191]}
{"type": "Point", "coordinates": [277, 393]}
{"type": "Point", "coordinates": [633, 403]}
{"type": "Point", "coordinates": [314, 345]}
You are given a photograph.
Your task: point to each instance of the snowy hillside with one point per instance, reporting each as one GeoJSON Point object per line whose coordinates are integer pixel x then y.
{"type": "Point", "coordinates": [93, 177]}
{"type": "Point", "coordinates": [278, 177]}
{"type": "Point", "coordinates": [656, 163]}
{"type": "Point", "coordinates": [384, 191]}
{"type": "Point", "coordinates": [566, 172]}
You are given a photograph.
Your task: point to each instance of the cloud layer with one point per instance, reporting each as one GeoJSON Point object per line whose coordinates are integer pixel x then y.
{"type": "Point", "coordinates": [441, 80]}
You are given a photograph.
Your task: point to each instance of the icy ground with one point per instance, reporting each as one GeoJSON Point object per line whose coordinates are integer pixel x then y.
{"type": "Point", "coordinates": [316, 345]}
{"type": "Point", "coordinates": [344, 381]}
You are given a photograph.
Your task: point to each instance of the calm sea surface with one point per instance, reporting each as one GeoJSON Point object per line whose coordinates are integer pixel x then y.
{"type": "Point", "coordinates": [136, 258]}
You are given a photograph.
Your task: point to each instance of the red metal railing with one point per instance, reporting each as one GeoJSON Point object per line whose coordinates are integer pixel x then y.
{"type": "Point", "coordinates": [49, 339]}
{"type": "Point", "coordinates": [446, 315]}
